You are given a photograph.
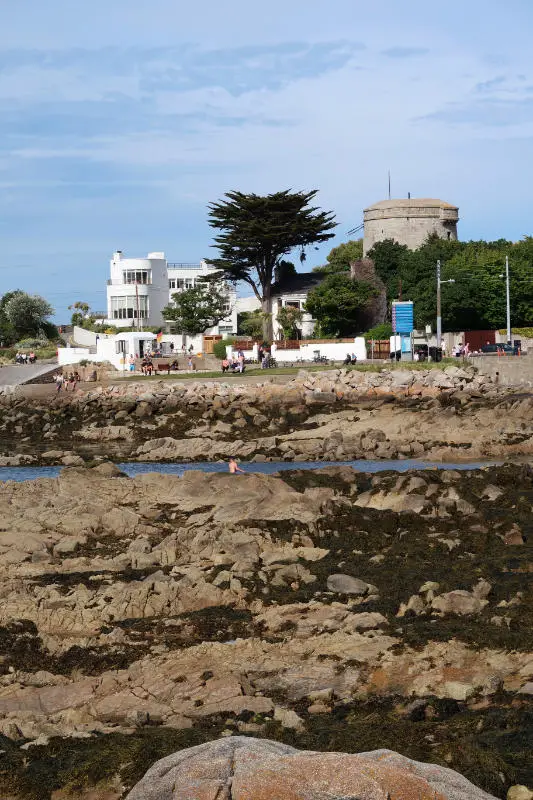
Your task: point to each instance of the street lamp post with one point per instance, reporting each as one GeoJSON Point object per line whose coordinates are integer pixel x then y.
{"type": "Point", "coordinates": [439, 314]}
{"type": "Point", "coordinates": [508, 299]}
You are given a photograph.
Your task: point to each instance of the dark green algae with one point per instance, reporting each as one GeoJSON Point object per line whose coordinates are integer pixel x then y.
{"type": "Point", "coordinates": [490, 746]}
{"type": "Point", "coordinates": [489, 740]}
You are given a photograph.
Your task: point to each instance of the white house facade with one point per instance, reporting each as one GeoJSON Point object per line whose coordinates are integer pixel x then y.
{"type": "Point", "coordinates": [138, 290]}
{"type": "Point", "coordinates": [293, 291]}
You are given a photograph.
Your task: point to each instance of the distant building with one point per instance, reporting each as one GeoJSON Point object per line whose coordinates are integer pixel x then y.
{"type": "Point", "coordinates": [409, 222]}
{"type": "Point", "coordinates": [139, 289]}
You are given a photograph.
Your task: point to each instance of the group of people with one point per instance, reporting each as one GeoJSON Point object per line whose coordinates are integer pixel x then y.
{"type": "Point", "coordinates": [350, 359]}
{"type": "Point", "coordinates": [147, 365]}
{"type": "Point", "coordinates": [234, 364]}
{"type": "Point", "coordinates": [67, 381]}
{"type": "Point", "coordinates": [25, 358]}
{"type": "Point", "coordinates": [460, 350]}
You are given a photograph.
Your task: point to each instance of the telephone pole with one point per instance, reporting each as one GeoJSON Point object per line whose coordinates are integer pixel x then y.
{"type": "Point", "coordinates": [439, 314]}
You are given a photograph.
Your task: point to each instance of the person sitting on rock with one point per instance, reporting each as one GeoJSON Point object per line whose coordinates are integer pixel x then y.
{"type": "Point", "coordinates": [225, 364]}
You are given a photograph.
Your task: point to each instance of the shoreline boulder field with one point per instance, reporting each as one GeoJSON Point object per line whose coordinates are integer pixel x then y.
{"type": "Point", "coordinates": [327, 633]}
{"type": "Point", "coordinates": [336, 415]}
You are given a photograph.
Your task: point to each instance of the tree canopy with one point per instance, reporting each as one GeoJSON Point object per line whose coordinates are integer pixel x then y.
{"type": "Point", "coordinates": [340, 257]}
{"type": "Point", "coordinates": [195, 310]}
{"type": "Point", "coordinates": [338, 304]}
{"type": "Point", "coordinates": [256, 232]}
{"type": "Point", "coordinates": [289, 319]}
{"type": "Point", "coordinates": [250, 323]}
{"type": "Point", "coordinates": [24, 315]}
{"type": "Point", "coordinates": [477, 298]}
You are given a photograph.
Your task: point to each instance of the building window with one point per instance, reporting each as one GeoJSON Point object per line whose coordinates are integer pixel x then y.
{"type": "Point", "coordinates": [180, 284]}
{"type": "Point", "coordinates": [225, 328]}
{"type": "Point", "coordinates": [127, 307]}
{"type": "Point", "coordinates": [137, 276]}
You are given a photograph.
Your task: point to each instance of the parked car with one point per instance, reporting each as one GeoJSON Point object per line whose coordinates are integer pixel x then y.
{"type": "Point", "coordinates": [502, 349]}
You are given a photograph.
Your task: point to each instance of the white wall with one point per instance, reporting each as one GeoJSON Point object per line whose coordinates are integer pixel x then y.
{"type": "Point", "coordinates": [87, 338]}
{"type": "Point", "coordinates": [247, 304]}
{"type": "Point", "coordinates": [334, 351]}
{"type": "Point", "coordinates": [72, 355]}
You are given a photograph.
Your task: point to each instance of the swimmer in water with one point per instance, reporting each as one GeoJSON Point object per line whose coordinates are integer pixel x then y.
{"type": "Point", "coordinates": [234, 467]}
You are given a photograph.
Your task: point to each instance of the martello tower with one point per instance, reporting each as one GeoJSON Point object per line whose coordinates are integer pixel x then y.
{"type": "Point", "coordinates": [409, 221]}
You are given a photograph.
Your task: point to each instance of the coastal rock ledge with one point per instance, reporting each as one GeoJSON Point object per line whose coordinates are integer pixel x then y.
{"type": "Point", "coordinates": [243, 768]}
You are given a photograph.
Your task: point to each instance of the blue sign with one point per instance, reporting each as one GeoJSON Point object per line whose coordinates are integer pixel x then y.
{"type": "Point", "coordinates": [402, 317]}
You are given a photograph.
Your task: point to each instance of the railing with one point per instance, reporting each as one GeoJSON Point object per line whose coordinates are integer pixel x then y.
{"type": "Point", "coordinates": [288, 344]}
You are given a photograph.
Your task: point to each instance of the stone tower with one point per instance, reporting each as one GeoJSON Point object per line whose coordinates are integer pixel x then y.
{"type": "Point", "coordinates": [409, 221]}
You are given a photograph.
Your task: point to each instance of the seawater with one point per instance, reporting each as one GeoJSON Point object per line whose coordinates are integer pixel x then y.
{"type": "Point", "coordinates": [267, 468]}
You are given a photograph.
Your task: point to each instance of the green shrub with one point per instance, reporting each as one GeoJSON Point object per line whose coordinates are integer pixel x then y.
{"type": "Point", "coordinates": [32, 344]}
{"type": "Point", "coordinates": [219, 348]}
{"type": "Point", "coordinates": [526, 333]}
{"type": "Point", "coordinates": [7, 353]}
{"type": "Point", "coordinates": [379, 332]}
{"type": "Point", "coordinates": [46, 352]}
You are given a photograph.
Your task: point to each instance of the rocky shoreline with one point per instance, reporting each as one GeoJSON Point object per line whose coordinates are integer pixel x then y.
{"type": "Point", "coordinates": [338, 415]}
{"type": "Point", "coordinates": [330, 610]}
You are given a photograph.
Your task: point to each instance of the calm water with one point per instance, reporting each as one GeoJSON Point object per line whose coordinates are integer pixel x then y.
{"type": "Point", "coordinates": [30, 473]}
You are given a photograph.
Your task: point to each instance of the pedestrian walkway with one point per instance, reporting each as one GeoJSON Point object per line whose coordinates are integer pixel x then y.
{"type": "Point", "coordinates": [19, 374]}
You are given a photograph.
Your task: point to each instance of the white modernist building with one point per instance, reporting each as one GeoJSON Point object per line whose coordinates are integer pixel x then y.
{"type": "Point", "coordinates": [139, 289]}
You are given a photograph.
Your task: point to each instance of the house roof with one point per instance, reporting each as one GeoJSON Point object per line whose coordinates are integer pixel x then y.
{"type": "Point", "coordinates": [301, 282]}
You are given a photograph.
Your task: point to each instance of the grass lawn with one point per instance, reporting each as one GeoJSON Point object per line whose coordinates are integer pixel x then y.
{"type": "Point", "coordinates": [293, 370]}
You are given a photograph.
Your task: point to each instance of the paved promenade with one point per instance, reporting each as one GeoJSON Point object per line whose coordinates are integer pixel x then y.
{"type": "Point", "coordinates": [19, 374]}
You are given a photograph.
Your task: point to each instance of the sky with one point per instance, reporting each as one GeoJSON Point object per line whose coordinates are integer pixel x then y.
{"type": "Point", "coordinates": [121, 120]}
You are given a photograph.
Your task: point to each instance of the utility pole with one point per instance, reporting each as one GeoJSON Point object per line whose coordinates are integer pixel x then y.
{"type": "Point", "coordinates": [508, 299]}
{"type": "Point", "coordinates": [439, 314]}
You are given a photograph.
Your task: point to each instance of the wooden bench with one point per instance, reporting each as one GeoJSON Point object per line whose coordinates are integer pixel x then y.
{"type": "Point", "coordinates": [163, 367]}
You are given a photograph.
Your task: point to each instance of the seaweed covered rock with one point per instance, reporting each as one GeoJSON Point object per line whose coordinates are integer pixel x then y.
{"type": "Point", "coordinates": [241, 768]}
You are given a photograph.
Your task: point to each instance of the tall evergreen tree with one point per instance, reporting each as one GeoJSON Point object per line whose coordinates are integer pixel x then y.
{"type": "Point", "coordinates": [255, 232]}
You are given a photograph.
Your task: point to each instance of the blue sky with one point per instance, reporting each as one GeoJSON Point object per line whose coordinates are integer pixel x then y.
{"type": "Point", "coordinates": [122, 119]}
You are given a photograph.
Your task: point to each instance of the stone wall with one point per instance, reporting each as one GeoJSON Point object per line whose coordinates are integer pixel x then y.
{"type": "Point", "coordinates": [408, 225]}
{"type": "Point", "coordinates": [507, 370]}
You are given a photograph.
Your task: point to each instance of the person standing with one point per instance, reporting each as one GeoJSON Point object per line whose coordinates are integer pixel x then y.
{"type": "Point", "coordinates": [234, 467]}
{"type": "Point", "coordinates": [59, 381]}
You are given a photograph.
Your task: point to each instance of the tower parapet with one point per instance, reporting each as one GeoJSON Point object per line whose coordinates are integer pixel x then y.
{"type": "Point", "coordinates": [409, 221]}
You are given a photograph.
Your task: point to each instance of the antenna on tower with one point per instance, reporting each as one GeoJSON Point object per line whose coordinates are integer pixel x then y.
{"type": "Point", "coordinates": [389, 184]}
